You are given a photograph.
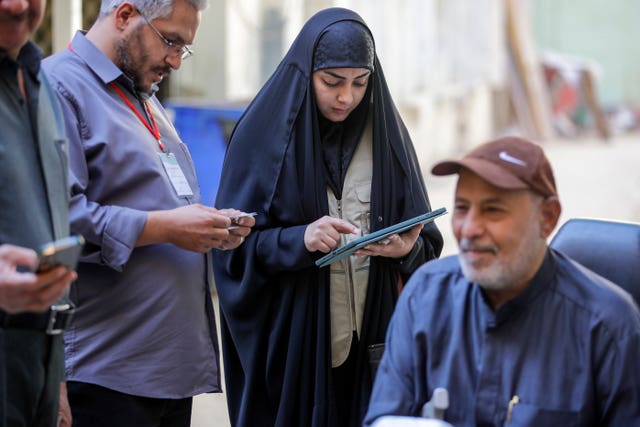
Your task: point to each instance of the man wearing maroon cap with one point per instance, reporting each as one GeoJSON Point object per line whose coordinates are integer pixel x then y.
{"type": "Point", "coordinates": [516, 332]}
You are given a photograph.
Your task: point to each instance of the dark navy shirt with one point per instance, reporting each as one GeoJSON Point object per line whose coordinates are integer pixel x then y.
{"type": "Point", "coordinates": [566, 350]}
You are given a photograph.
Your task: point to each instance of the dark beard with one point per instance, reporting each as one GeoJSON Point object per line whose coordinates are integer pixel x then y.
{"type": "Point", "coordinates": [130, 64]}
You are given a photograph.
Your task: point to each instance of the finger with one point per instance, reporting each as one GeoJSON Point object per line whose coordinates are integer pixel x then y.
{"type": "Point", "coordinates": [234, 241]}
{"type": "Point", "coordinates": [52, 276]}
{"type": "Point", "coordinates": [394, 239]}
{"type": "Point", "coordinates": [343, 226]}
{"type": "Point", "coordinates": [373, 250]}
{"type": "Point", "coordinates": [219, 220]}
{"type": "Point", "coordinates": [240, 231]}
{"type": "Point", "coordinates": [324, 248]}
{"type": "Point", "coordinates": [16, 255]}
{"type": "Point", "coordinates": [41, 299]}
{"type": "Point", "coordinates": [414, 232]}
{"type": "Point", "coordinates": [323, 243]}
{"type": "Point", "coordinates": [15, 279]}
{"type": "Point", "coordinates": [53, 293]}
{"type": "Point", "coordinates": [247, 222]}
{"type": "Point", "coordinates": [331, 239]}
{"type": "Point", "coordinates": [219, 234]}
{"type": "Point", "coordinates": [229, 211]}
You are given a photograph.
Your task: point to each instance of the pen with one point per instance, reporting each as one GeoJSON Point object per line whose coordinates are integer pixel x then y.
{"type": "Point", "coordinates": [512, 403]}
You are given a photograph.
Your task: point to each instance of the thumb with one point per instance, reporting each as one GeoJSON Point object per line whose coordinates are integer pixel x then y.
{"type": "Point", "coordinates": [16, 255]}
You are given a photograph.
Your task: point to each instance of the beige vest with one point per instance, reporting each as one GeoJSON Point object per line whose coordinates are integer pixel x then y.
{"type": "Point", "coordinates": [349, 277]}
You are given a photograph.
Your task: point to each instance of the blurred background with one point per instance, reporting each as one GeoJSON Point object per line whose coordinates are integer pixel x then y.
{"type": "Point", "coordinates": [461, 71]}
{"type": "Point", "coordinates": [565, 74]}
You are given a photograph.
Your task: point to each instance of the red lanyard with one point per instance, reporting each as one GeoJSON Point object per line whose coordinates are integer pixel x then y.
{"type": "Point", "coordinates": [155, 131]}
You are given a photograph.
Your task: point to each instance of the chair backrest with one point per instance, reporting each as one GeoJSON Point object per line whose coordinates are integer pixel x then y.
{"type": "Point", "coordinates": [609, 248]}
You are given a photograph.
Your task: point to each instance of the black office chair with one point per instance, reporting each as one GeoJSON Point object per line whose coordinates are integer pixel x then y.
{"type": "Point", "coordinates": [610, 248]}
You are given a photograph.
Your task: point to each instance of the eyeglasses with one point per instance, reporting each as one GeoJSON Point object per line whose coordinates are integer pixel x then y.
{"type": "Point", "coordinates": [181, 50]}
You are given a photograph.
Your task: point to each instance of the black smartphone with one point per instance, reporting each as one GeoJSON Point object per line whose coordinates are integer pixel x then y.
{"type": "Point", "coordinates": [65, 251]}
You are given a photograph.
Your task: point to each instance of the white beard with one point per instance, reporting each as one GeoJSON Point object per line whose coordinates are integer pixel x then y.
{"type": "Point", "coordinates": [503, 273]}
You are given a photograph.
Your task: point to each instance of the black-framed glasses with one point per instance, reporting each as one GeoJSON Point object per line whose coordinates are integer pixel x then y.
{"type": "Point", "coordinates": [181, 50]}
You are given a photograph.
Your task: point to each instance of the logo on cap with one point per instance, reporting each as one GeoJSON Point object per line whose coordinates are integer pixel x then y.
{"type": "Point", "coordinates": [509, 158]}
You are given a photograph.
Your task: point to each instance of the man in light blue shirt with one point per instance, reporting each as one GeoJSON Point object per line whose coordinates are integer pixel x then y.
{"type": "Point", "coordinates": [518, 333]}
{"type": "Point", "coordinates": [143, 341]}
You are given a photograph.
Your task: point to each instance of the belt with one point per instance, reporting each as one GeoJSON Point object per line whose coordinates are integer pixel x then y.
{"type": "Point", "coordinates": [53, 322]}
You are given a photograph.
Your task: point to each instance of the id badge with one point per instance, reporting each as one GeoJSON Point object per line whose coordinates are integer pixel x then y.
{"type": "Point", "coordinates": [175, 174]}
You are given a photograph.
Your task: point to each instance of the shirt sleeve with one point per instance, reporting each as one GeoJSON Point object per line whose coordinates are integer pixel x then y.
{"type": "Point", "coordinates": [283, 249]}
{"type": "Point", "coordinates": [618, 378]}
{"type": "Point", "coordinates": [110, 231]}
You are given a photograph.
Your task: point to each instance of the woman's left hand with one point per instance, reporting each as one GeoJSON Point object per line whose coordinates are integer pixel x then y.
{"type": "Point", "coordinates": [398, 245]}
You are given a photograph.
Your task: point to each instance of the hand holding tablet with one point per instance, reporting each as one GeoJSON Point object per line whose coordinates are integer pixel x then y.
{"type": "Point", "coordinates": [377, 236]}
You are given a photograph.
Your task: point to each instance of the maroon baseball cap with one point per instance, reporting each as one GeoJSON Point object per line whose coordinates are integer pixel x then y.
{"type": "Point", "coordinates": [511, 163]}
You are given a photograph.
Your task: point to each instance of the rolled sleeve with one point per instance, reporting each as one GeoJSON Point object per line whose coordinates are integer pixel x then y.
{"type": "Point", "coordinates": [112, 231]}
{"type": "Point", "coordinates": [121, 232]}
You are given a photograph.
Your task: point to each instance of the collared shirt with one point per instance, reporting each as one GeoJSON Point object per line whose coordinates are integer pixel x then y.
{"type": "Point", "coordinates": [33, 159]}
{"type": "Point", "coordinates": [144, 323]}
{"type": "Point", "coordinates": [562, 353]}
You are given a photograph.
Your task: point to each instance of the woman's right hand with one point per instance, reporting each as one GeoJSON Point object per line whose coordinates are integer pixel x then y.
{"type": "Point", "coordinates": [324, 234]}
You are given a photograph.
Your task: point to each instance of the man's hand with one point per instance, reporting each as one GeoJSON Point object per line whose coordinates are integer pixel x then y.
{"type": "Point", "coordinates": [239, 229]}
{"type": "Point", "coordinates": [64, 410]}
{"type": "Point", "coordinates": [195, 228]}
{"type": "Point", "coordinates": [324, 234]}
{"type": "Point", "coordinates": [26, 291]}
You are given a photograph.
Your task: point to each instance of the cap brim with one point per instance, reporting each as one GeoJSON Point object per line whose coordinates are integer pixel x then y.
{"type": "Point", "coordinates": [486, 170]}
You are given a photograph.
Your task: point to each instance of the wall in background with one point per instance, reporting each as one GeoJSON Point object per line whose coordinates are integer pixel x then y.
{"type": "Point", "coordinates": [605, 31]}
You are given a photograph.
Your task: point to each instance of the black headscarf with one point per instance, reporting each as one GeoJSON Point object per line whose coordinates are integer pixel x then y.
{"type": "Point", "coordinates": [345, 44]}
{"type": "Point", "coordinates": [274, 301]}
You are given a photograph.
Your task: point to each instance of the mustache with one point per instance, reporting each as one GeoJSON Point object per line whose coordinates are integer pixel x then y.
{"type": "Point", "coordinates": [163, 70]}
{"type": "Point", "coordinates": [12, 17]}
{"type": "Point", "coordinates": [470, 245]}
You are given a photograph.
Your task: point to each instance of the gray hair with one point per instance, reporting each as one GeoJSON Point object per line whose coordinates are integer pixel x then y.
{"type": "Point", "coordinates": [150, 9]}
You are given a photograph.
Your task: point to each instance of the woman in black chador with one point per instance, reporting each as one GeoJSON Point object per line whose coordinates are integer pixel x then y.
{"type": "Point", "coordinates": [323, 156]}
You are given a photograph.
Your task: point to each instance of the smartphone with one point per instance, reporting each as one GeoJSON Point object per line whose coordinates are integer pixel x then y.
{"type": "Point", "coordinates": [65, 251]}
{"type": "Point", "coordinates": [234, 219]}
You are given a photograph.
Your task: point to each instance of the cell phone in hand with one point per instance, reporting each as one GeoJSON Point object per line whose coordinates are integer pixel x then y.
{"type": "Point", "coordinates": [234, 219]}
{"type": "Point", "coordinates": [242, 215]}
{"type": "Point", "coordinates": [65, 251]}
